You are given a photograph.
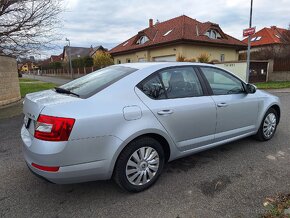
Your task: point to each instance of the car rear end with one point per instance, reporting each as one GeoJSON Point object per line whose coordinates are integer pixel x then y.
{"type": "Point", "coordinates": [62, 138]}
{"type": "Point", "coordinates": [62, 141]}
{"type": "Point", "coordinates": [50, 148]}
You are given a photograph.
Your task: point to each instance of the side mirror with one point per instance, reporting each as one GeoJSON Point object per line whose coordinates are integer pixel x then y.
{"type": "Point", "coordinates": [250, 88]}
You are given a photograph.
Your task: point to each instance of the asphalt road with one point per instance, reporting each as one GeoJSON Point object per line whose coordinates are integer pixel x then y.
{"type": "Point", "coordinates": [229, 181]}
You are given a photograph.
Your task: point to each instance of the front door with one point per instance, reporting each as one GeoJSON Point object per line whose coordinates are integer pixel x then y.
{"type": "Point", "coordinates": [175, 96]}
{"type": "Point", "coordinates": [237, 111]}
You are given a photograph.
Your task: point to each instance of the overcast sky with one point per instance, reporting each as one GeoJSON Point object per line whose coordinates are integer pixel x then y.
{"type": "Point", "coordinates": [109, 22]}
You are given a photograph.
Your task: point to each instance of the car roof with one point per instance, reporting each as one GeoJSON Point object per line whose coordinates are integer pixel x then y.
{"type": "Point", "coordinates": [144, 65]}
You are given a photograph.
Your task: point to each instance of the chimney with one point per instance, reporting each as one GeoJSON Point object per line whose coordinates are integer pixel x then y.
{"type": "Point", "coordinates": [197, 32]}
{"type": "Point", "coordinates": [150, 22]}
{"type": "Point", "coordinates": [273, 27]}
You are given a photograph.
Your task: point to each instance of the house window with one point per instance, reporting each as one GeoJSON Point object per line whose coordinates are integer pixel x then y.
{"type": "Point", "coordinates": [118, 61]}
{"type": "Point", "coordinates": [167, 33]}
{"type": "Point", "coordinates": [128, 60]}
{"type": "Point", "coordinates": [142, 40]}
{"type": "Point", "coordinates": [213, 34]}
{"type": "Point", "coordinates": [256, 38]}
{"type": "Point", "coordinates": [222, 57]}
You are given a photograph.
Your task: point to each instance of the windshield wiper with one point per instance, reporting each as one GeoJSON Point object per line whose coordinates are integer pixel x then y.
{"type": "Point", "coordinates": [65, 91]}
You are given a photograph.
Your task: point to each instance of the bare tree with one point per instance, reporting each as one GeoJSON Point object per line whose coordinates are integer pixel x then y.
{"type": "Point", "coordinates": [27, 26]}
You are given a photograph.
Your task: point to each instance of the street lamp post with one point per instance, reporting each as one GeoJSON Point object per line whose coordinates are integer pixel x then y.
{"type": "Point", "coordinates": [249, 45]}
{"type": "Point", "coordinates": [69, 57]}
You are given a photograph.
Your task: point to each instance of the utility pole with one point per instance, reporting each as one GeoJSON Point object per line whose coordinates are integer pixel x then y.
{"type": "Point", "coordinates": [249, 45]}
{"type": "Point", "coordinates": [69, 57]}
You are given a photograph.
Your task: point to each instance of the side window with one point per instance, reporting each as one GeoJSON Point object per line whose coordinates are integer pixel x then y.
{"type": "Point", "coordinates": [153, 88]}
{"type": "Point", "coordinates": [181, 82]}
{"type": "Point", "coordinates": [221, 82]}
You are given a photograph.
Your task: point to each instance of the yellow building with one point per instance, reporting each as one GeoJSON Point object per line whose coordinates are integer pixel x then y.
{"type": "Point", "coordinates": [29, 66]}
{"type": "Point", "coordinates": [178, 37]}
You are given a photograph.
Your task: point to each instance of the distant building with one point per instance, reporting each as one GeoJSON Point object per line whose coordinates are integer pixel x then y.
{"type": "Point", "coordinates": [56, 58]}
{"type": "Point", "coordinates": [27, 66]}
{"type": "Point", "coordinates": [180, 36]}
{"type": "Point", "coordinates": [269, 36]}
{"type": "Point", "coordinates": [75, 52]}
{"type": "Point", "coordinates": [269, 43]}
{"type": "Point", "coordinates": [96, 49]}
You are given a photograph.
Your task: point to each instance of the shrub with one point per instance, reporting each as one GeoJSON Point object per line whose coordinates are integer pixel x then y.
{"type": "Point", "coordinates": [103, 59]}
{"type": "Point", "coordinates": [203, 58]}
{"type": "Point", "coordinates": [82, 62]}
{"type": "Point", "coordinates": [190, 59]}
{"type": "Point", "coordinates": [214, 61]}
{"type": "Point", "coordinates": [180, 58]}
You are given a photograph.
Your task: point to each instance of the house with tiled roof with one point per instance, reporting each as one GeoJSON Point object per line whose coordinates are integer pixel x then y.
{"type": "Point", "coordinates": [75, 52]}
{"type": "Point", "coordinates": [56, 58]}
{"type": "Point", "coordinates": [269, 43]}
{"type": "Point", "coordinates": [96, 49]}
{"type": "Point", "coordinates": [27, 66]}
{"type": "Point", "coordinates": [269, 36]}
{"type": "Point", "coordinates": [180, 36]}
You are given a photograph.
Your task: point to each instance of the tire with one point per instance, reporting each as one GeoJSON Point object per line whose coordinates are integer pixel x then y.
{"type": "Point", "coordinates": [261, 134]}
{"type": "Point", "coordinates": [128, 167]}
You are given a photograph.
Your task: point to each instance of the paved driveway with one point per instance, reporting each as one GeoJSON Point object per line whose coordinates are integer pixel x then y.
{"type": "Point", "coordinates": [228, 181]}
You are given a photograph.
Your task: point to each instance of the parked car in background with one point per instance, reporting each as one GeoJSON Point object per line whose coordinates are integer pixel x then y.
{"type": "Point", "coordinates": [126, 121]}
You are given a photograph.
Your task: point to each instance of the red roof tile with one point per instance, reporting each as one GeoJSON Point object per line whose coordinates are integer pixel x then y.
{"type": "Point", "coordinates": [272, 35]}
{"type": "Point", "coordinates": [56, 58]}
{"type": "Point", "coordinates": [183, 28]}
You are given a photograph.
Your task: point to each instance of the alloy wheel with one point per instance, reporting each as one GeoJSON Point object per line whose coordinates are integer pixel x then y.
{"type": "Point", "coordinates": [142, 166]}
{"type": "Point", "coordinates": [269, 125]}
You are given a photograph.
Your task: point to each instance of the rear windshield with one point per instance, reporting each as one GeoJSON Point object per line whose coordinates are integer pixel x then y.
{"type": "Point", "coordinates": [96, 81]}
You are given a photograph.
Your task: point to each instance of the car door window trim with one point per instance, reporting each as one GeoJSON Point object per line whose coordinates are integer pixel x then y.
{"type": "Point", "coordinates": [206, 91]}
{"type": "Point", "coordinates": [208, 84]}
{"type": "Point", "coordinates": [157, 73]}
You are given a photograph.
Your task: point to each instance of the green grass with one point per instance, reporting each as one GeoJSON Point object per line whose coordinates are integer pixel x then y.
{"type": "Point", "coordinates": [30, 87]}
{"type": "Point", "coordinates": [273, 85]}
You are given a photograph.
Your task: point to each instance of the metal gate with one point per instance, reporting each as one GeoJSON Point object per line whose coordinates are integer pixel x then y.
{"type": "Point", "coordinates": [258, 71]}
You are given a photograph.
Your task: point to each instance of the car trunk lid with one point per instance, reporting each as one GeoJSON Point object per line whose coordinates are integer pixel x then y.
{"type": "Point", "coordinates": [35, 102]}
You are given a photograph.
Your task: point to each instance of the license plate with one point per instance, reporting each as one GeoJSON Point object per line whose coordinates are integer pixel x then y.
{"type": "Point", "coordinates": [27, 121]}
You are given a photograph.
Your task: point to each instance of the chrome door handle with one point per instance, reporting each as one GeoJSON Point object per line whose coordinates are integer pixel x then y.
{"type": "Point", "coordinates": [165, 112]}
{"type": "Point", "coordinates": [222, 104]}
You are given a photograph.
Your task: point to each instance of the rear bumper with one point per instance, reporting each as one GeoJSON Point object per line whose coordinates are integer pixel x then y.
{"type": "Point", "coordinates": [78, 160]}
{"type": "Point", "coordinates": [74, 173]}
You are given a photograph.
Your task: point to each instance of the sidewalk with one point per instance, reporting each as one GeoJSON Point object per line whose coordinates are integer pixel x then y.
{"type": "Point", "coordinates": [11, 110]}
{"type": "Point", "coordinates": [286, 90]}
{"type": "Point", "coordinates": [55, 80]}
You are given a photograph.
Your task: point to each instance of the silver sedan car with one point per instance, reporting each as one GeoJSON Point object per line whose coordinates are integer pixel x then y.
{"type": "Point", "coordinates": [126, 121]}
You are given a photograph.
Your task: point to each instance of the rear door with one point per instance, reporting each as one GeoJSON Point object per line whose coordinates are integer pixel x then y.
{"type": "Point", "coordinates": [179, 101]}
{"type": "Point", "coordinates": [237, 111]}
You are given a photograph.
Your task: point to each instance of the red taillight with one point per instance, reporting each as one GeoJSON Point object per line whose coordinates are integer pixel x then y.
{"type": "Point", "coordinates": [50, 128]}
{"type": "Point", "coordinates": [45, 168]}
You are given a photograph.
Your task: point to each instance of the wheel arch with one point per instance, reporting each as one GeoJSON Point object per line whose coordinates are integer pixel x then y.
{"type": "Point", "coordinates": [165, 141]}
{"type": "Point", "coordinates": [277, 109]}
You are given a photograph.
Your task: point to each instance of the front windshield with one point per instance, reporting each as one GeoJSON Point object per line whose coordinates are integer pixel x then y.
{"type": "Point", "coordinates": [94, 82]}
